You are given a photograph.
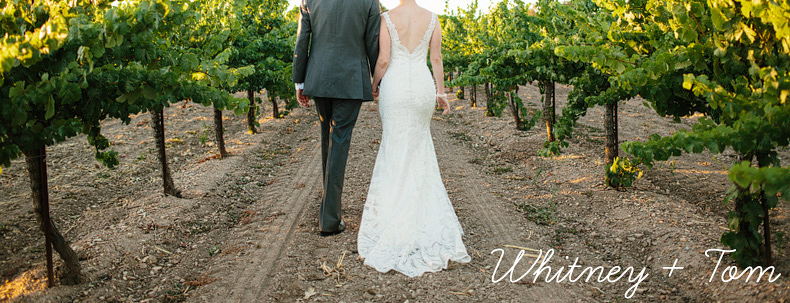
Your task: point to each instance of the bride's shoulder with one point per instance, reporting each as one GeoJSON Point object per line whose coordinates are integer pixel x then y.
{"type": "Point", "coordinates": [408, 11]}
{"type": "Point", "coordinates": [421, 11]}
{"type": "Point", "coordinates": [424, 13]}
{"type": "Point", "coordinates": [390, 11]}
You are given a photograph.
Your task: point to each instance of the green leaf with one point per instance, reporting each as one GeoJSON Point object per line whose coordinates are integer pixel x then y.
{"type": "Point", "coordinates": [717, 17]}
{"type": "Point", "coordinates": [682, 64]}
{"type": "Point", "coordinates": [50, 108]}
{"type": "Point", "coordinates": [738, 174]}
{"type": "Point", "coordinates": [69, 93]}
{"type": "Point", "coordinates": [149, 92]}
{"type": "Point", "coordinates": [619, 68]}
{"type": "Point", "coordinates": [19, 118]}
{"type": "Point", "coordinates": [17, 90]}
{"type": "Point", "coordinates": [98, 51]}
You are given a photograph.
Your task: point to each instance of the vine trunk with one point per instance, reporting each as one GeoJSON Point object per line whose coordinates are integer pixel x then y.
{"type": "Point", "coordinates": [515, 109]}
{"type": "Point", "coordinates": [252, 113]}
{"type": "Point", "coordinates": [158, 119]}
{"type": "Point", "coordinates": [37, 169]}
{"type": "Point", "coordinates": [610, 127]}
{"type": "Point", "coordinates": [275, 108]}
{"type": "Point", "coordinates": [219, 132]}
{"type": "Point", "coordinates": [473, 96]}
{"type": "Point", "coordinates": [549, 108]}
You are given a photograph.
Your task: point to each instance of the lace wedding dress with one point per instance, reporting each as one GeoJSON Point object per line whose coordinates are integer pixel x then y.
{"type": "Point", "coordinates": [408, 223]}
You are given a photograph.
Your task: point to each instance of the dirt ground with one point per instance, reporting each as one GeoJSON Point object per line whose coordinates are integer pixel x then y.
{"type": "Point", "coordinates": [246, 228]}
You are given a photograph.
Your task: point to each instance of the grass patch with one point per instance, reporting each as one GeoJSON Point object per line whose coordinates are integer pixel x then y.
{"type": "Point", "coordinates": [214, 250]}
{"type": "Point", "coordinates": [546, 215]}
{"type": "Point", "coordinates": [460, 136]}
{"type": "Point", "coordinates": [234, 217]}
{"type": "Point", "coordinates": [503, 169]}
{"type": "Point", "coordinates": [196, 228]}
{"type": "Point", "coordinates": [781, 240]}
{"type": "Point", "coordinates": [281, 152]}
{"type": "Point", "coordinates": [203, 137]}
{"type": "Point", "coordinates": [243, 217]}
{"type": "Point", "coordinates": [476, 161]}
{"type": "Point", "coordinates": [177, 294]}
{"type": "Point", "coordinates": [266, 157]}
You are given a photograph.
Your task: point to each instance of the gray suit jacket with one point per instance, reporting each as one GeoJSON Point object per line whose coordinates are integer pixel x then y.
{"type": "Point", "coordinates": [337, 47]}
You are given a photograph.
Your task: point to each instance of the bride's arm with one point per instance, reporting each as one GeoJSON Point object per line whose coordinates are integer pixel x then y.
{"type": "Point", "coordinates": [384, 57]}
{"type": "Point", "coordinates": [438, 67]}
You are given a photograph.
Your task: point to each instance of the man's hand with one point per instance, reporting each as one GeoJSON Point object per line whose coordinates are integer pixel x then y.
{"type": "Point", "coordinates": [303, 100]}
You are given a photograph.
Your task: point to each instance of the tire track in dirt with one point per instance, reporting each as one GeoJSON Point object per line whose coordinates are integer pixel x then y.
{"type": "Point", "coordinates": [484, 204]}
{"type": "Point", "coordinates": [498, 226]}
{"type": "Point", "coordinates": [248, 284]}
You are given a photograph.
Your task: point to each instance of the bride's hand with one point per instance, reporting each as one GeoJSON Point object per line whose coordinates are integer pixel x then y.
{"type": "Point", "coordinates": [443, 103]}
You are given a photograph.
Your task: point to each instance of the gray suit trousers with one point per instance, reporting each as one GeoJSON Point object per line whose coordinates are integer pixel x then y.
{"type": "Point", "coordinates": [338, 117]}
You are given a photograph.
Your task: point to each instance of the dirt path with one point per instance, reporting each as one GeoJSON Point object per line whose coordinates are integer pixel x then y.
{"type": "Point", "coordinates": [246, 281]}
{"type": "Point", "coordinates": [246, 229]}
{"type": "Point", "coordinates": [492, 220]}
{"type": "Point", "coordinates": [310, 267]}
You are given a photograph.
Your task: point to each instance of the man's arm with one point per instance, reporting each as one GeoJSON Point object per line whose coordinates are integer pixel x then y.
{"type": "Point", "coordinates": [301, 52]}
{"type": "Point", "coordinates": [372, 35]}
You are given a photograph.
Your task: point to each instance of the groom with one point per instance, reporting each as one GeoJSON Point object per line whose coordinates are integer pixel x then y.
{"type": "Point", "coordinates": [335, 54]}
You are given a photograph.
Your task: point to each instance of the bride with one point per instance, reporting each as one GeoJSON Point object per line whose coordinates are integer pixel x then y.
{"type": "Point", "coordinates": [408, 223]}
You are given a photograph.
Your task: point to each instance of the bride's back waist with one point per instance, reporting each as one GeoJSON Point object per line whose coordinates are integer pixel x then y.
{"type": "Point", "coordinates": [404, 60]}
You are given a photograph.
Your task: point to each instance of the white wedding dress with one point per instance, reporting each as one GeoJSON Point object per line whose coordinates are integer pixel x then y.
{"type": "Point", "coordinates": [408, 223]}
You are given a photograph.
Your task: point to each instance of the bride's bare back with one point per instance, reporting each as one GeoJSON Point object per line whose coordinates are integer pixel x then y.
{"type": "Point", "coordinates": [411, 25]}
{"type": "Point", "coordinates": [411, 22]}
